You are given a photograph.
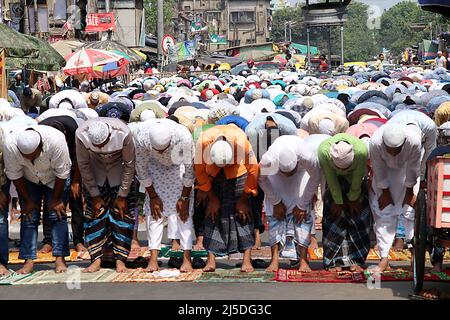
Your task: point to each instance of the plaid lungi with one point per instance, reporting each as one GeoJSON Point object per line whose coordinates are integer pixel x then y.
{"type": "Point", "coordinates": [109, 230]}
{"type": "Point", "coordinates": [346, 240]}
{"type": "Point", "coordinates": [228, 234]}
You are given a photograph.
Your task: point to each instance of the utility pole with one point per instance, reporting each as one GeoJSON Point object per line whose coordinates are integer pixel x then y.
{"type": "Point", "coordinates": [160, 30]}
{"type": "Point", "coordinates": [36, 20]}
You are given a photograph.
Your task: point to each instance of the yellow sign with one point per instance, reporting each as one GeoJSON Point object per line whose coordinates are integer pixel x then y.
{"type": "Point", "coordinates": [3, 86]}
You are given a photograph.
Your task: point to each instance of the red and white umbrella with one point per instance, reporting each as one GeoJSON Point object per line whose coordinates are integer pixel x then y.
{"type": "Point", "coordinates": [85, 60]}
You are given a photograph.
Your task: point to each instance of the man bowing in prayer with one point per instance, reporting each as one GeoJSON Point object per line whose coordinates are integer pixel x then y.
{"type": "Point", "coordinates": [37, 161]}
{"type": "Point", "coordinates": [106, 159]}
{"type": "Point", "coordinates": [395, 152]}
{"type": "Point", "coordinates": [227, 175]}
{"type": "Point", "coordinates": [289, 175]}
{"type": "Point", "coordinates": [164, 167]}
{"type": "Point", "coordinates": [346, 216]}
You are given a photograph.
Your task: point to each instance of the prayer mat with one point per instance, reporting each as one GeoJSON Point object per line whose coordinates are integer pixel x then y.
{"type": "Point", "coordinates": [264, 253]}
{"type": "Point", "coordinates": [72, 277]}
{"type": "Point", "coordinates": [179, 254]}
{"type": "Point", "coordinates": [144, 252]}
{"type": "Point", "coordinates": [48, 257]}
{"type": "Point", "coordinates": [139, 275]}
{"type": "Point", "coordinates": [319, 276]}
{"type": "Point", "coordinates": [235, 275]}
{"type": "Point", "coordinates": [400, 274]}
{"type": "Point", "coordinates": [13, 277]}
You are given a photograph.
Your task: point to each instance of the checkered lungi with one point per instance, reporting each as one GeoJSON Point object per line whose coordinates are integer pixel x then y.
{"type": "Point", "coordinates": [228, 234]}
{"type": "Point", "coordinates": [109, 230]}
{"type": "Point", "coordinates": [346, 240]}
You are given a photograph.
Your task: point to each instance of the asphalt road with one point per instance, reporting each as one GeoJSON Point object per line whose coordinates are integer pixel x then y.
{"type": "Point", "coordinates": [214, 291]}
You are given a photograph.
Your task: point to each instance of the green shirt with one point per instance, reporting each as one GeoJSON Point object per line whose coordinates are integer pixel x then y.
{"type": "Point", "coordinates": [354, 174]}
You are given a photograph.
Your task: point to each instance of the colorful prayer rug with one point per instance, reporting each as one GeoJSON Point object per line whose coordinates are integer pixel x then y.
{"type": "Point", "coordinates": [48, 257]}
{"type": "Point", "coordinates": [139, 275]}
{"type": "Point", "coordinates": [235, 275]}
{"type": "Point", "coordinates": [72, 277]}
{"type": "Point", "coordinates": [263, 253]}
{"type": "Point", "coordinates": [322, 276]}
{"type": "Point", "coordinates": [319, 276]}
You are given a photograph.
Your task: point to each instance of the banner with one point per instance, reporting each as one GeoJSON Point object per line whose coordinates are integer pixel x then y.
{"type": "Point", "coordinates": [3, 85]}
{"type": "Point", "coordinates": [182, 51]}
{"type": "Point", "coordinates": [97, 22]}
{"type": "Point", "coordinates": [217, 39]}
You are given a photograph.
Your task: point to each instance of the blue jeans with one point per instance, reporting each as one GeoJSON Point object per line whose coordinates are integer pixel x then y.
{"type": "Point", "coordinates": [4, 237]}
{"type": "Point", "coordinates": [29, 227]}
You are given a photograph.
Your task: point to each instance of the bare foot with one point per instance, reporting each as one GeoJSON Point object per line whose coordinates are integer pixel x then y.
{"type": "Point", "coordinates": [199, 244]}
{"type": "Point", "coordinates": [273, 267]}
{"type": "Point", "coordinates": [437, 267]}
{"type": "Point", "coordinates": [398, 244]}
{"type": "Point", "coordinates": [335, 269]}
{"type": "Point", "coordinates": [94, 266]}
{"type": "Point", "coordinates": [304, 266]}
{"type": "Point", "coordinates": [80, 248]}
{"type": "Point", "coordinates": [27, 267]}
{"type": "Point", "coordinates": [210, 263]}
{"type": "Point", "coordinates": [313, 245]}
{"type": "Point", "coordinates": [382, 266]}
{"type": "Point", "coordinates": [120, 267]}
{"type": "Point", "coordinates": [356, 268]}
{"type": "Point", "coordinates": [257, 245]}
{"type": "Point", "coordinates": [135, 244]}
{"type": "Point", "coordinates": [46, 248]}
{"type": "Point", "coordinates": [152, 266]}
{"type": "Point", "coordinates": [175, 245]}
{"type": "Point", "coordinates": [430, 294]}
{"type": "Point", "coordinates": [60, 265]}
{"type": "Point", "coordinates": [186, 266]}
{"type": "Point", "coordinates": [247, 267]}
{"type": "Point", "coordinates": [3, 270]}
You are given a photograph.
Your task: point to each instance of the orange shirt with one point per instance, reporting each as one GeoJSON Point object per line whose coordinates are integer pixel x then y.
{"type": "Point", "coordinates": [244, 158]}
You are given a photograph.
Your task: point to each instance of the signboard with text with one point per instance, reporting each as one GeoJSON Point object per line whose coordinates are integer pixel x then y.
{"type": "Point", "coordinates": [97, 22]}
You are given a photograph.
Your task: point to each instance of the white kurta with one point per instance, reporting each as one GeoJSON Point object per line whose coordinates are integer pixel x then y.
{"type": "Point", "coordinates": [168, 172]}
{"type": "Point", "coordinates": [396, 173]}
{"type": "Point", "coordinates": [294, 191]}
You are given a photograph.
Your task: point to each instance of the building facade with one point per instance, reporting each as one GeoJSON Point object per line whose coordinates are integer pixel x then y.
{"type": "Point", "coordinates": [234, 22]}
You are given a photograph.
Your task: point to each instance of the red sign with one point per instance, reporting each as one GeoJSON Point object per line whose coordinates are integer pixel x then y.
{"type": "Point", "coordinates": [96, 22]}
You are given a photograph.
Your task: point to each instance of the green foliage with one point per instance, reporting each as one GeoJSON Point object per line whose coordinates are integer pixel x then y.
{"type": "Point", "coordinates": [396, 33]}
{"type": "Point", "coordinates": [151, 15]}
{"type": "Point", "coordinates": [361, 43]}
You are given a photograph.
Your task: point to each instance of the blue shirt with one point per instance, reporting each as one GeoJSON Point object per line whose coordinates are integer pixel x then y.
{"type": "Point", "coordinates": [237, 120]}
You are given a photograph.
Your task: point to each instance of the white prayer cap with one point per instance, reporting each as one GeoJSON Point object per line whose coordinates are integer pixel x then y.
{"type": "Point", "coordinates": [65, 105]}
{"type": "Point", "coordinates": [209, 94]}
{"type": "Point", "coordinates": [28, 141]}
{"type": "Point", "coordinates": [256, 94]}
{"type": "Point", "coordinates": [326, 126]}
{"type": "Point", "coordinates": [439, 52]}
{"type": "Point", "coordinates": [98, 132]}
{"type": "Point", "coordinates": [221, 153]}
{"type": "Point", "coordinates": [394, 135]}
{"type": "Point", "coordinates": [147, 114]}
{"type": "Point", "coordinates": [160, 136]}
{"type": "Point", "coordinates": [342, 154]}
{"type": "Point", "coordinates": [287, 160]}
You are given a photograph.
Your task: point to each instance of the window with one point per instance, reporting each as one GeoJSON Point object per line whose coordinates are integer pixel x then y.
{"type": "Point", "coordinates": [243, 17]}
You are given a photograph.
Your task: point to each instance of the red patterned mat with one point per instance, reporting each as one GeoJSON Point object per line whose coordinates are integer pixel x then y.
{"type": "Point", "coordinates": [322, 276]}
{"type": "Point", "coordinates": [319, 276]}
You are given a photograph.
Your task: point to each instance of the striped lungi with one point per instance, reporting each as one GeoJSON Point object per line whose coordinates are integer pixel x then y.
{"type": "Point", "coordinates": [228, 234]}
{"type": "Point", "coordinates": [346, 239]}
{"type": "Point", "coordinates": [109, 230]}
